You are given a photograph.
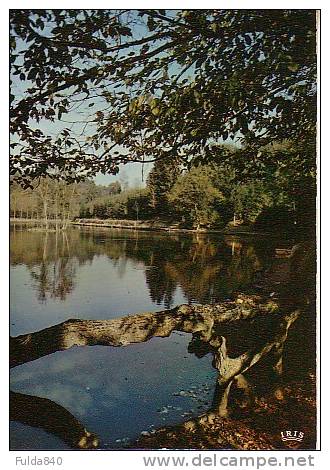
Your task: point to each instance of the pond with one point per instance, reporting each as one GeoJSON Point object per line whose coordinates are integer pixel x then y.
{"type": "Point", "coordinates": [85, 273]}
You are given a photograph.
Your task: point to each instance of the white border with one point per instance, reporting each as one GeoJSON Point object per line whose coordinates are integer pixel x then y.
{"type": "Point", "coordinates": [133, 459]}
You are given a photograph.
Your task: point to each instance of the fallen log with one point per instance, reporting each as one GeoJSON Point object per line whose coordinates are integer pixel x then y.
{"type": "Point", "coordinates": [137, 328]}
{"type": "Point", "coordinates": [213, 325]}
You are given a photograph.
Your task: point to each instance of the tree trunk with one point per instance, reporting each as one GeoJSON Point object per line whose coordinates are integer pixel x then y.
{"type": "Point", "coordinates": [214, 326]}
{"type": "Point", "coordinates": [140, 327]}
{"type": "Point", "coordinates": [45, 206]}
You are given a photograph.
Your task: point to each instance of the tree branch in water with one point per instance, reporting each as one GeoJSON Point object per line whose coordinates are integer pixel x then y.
{"type": "Point", "coordinates": [135, 328]}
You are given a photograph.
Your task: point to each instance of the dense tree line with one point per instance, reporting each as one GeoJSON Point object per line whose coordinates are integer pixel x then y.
{"type": "Point", "coordinates": [205, 196]}
{"type": "Point", "coordinates": [212, 195]}
{"type": "Point", "coordinates": [49, 199]}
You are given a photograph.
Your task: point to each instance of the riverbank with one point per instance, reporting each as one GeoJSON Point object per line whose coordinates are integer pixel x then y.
{"type": "Point", "coordinates": [292, 406]}
{"type": "Point", "coordinates": [159, 225]}
{"type": "Point", "coordinates": [148, 225]}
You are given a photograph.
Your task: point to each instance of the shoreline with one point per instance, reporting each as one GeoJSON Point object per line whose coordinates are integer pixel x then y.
{"type": "Point", "coordinates": [154, 227]}
{"type": "Point", "coordinates": [150, 225]}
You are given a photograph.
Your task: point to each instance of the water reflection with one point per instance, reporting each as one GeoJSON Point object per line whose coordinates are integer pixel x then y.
{"type": "Point", "coordinates": [88, 273]}
{"type": "Point", "coordinates": [118, 393]}
{"type": "Point", "coordinates": [55, 274]}
{"type": "Point", "coordinates": [204, 268]}
{"type": "Point", "coordinates": [52, 418]}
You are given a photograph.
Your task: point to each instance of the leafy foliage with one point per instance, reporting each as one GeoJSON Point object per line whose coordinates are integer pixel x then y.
{"type": "Point", "coordinates": [160, 181]}
{"type": "Point", "coordinates": [155, 84]}
{"type": "Point", "coordinates": [194, 198]}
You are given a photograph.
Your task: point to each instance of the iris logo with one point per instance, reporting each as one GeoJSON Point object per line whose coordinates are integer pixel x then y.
{"type": "Point", "coordinates": [292, 436]}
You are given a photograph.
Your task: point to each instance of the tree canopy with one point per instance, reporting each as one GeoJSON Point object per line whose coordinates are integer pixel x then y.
{"type": "Point", "coordinates": [95, 88]}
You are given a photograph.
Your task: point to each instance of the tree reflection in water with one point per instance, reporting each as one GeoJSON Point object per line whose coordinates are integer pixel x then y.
{"type": "Point", "coordinates": [54, 276]}
{"type": "Point", "coordinates": [205, 268]}
{"type": "Point", "coordinates": [241, 335]}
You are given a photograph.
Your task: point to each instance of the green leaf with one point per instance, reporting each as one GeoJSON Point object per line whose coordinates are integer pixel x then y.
{"type": "Point", "coordinates": [153, 103]}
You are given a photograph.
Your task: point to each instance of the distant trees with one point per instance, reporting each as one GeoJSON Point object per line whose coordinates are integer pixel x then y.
{"type": "Point", "coordinates": [45, 196]}
{"type": "Point", "coordinates": [129, 204]}
{"type": "Point", "coordinates": [47, 200]}
{"type": "Point", "coordinates": [211, 196]}
{"type": "Point", "coordinates": [51, 200]}
{"type": "Point", "coordinates": [194, 198]}
{"type": "Point", "coordinates": [24, 204]}
{"type": "Point", "coordinates": [249, 199]}
{"type": "Point", "coordinates": [93, 198]}
{"type": "Point", "coordinates": [161, 179]}
{"type": "Point", "coordinates": [205, 196]}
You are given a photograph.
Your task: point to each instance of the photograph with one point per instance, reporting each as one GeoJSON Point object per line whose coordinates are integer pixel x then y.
{"type": "Point", "coordinates": [163, 224]}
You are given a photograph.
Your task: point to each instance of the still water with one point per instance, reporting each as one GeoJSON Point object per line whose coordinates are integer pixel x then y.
{"type": "Point", "coordinates": [85, 273]}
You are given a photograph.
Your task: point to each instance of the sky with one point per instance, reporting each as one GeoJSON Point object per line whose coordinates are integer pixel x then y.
{"type": "Point", "coordinates": [131, 174]}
